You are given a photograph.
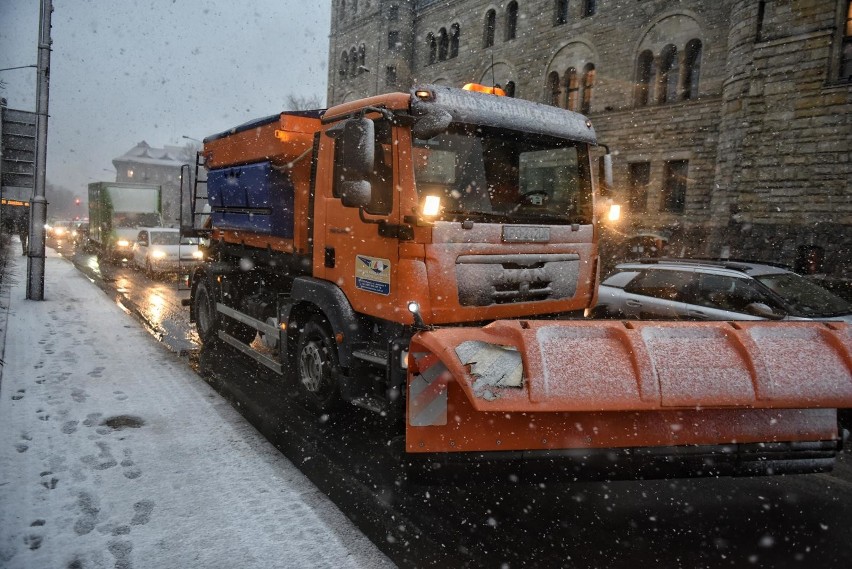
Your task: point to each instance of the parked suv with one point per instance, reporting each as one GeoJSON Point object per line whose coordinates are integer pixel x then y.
{"type": "Point", "coordinates": [686, 289]}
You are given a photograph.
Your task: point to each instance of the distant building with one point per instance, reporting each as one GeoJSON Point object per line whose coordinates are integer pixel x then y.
{"type": "Point", "coordinates": [144, 164]}
{"type": "Point", "coordinates": [17, 163]}
{"type": "Point", "coordinates": [730, 119]}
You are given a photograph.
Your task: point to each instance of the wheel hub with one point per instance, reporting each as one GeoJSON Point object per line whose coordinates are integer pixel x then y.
{"type": "Point", "coordinates": [310, 366]}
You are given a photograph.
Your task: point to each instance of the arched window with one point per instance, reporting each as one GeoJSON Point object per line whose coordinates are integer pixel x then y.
{"type": "Point", "coordinates": [572, 89]}
{"type": "Point", "coordinates": [443, 44]}
{"type": "Point", "coordinates": [433, 48]}
{"type": "Point", "coordinates": [691, 69]}
{"type": "Point", "coordinates": [353, 62]}
{"type": "Point", "coordinates": [342, 11]}
{"type": "Point", "coordinates": [490, 24]}
{"type": "Point", "coordinates": [510, 89]}
{"type": "Point", "coordinates": [512, 21]}
{"type": "Point", "coordinates": [644, 72]}
{"type": "Point", "coordinates": [589, 8]}
{"type": "Point", "coordinates": [560, 12]}
{"type": "Point", "coordinates": [354, 6]}
{"type": "Point", "coordinates": [553, 88]}
{"type": "Point", "coordinates": [667, 78]}
{"type": "Point", "coordinates": [588, 87]}
{"type": "Point", "coordinates": [455, 33]}
{"type": "Point", "coordinates": [362, 58]}
{"type": "Point", "coordinates": [344, 64]}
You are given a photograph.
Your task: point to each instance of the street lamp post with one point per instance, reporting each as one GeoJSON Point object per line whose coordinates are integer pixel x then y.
{"type": "Point", "coordinates": [38, 205]}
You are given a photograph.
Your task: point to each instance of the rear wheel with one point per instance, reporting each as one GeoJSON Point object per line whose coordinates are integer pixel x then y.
{"type": "Point", "coordinates": [316, 365]}
{"type": "Point", "coordinates": [149, 270]}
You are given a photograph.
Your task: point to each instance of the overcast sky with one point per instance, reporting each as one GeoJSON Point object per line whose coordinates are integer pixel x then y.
{"type": "Point", "coordinates": [123, 71]}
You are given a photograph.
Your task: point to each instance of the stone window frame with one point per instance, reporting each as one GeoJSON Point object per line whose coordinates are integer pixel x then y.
{"type": "Point", "coordinates": [443, 44]}
{"type": "Point", "coordinates": [553, 91]}
{"type": "Point", "coordinates": [343, 70]}
{"type": "Point", "coordinates": [587, 86]}
{"type": "Point", "coordinates": [511, 27]}
{"type": "Point", "coordinates": [560, 12]}
{"type": "Point", "coordinates": [490, 28]}
{"type": "Point", "coordinates": [674, 186]}
{"type": "Point", "coordinates": [637, 196]}
{"type": "Point", "coordinates": [393, 40]}
{"type": "Point", "coordinates": [668, 73]}
{"type": "Point", "coordinates": [646, 70]}
{"type": "Point", "coordinates": [841, 56]}
{"type": "Point", "coordinates": [455, 38]}
{"type": "Point", "coordinates": [571, 84]}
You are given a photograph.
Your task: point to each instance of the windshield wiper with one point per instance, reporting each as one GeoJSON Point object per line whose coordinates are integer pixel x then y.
{"type": "Point", "coordinates": [482, 215]}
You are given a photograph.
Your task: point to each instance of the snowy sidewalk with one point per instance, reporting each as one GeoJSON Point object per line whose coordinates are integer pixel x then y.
{"type": "Point", "coordinates": [114, 454]}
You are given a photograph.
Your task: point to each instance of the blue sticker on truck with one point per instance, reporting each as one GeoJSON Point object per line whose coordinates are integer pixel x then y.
{"type": "Point", "coordinates": [372, 274]}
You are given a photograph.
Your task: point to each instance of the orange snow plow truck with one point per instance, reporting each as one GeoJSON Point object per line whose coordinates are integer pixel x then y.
{"type": "Point", "coordinates": [429, 255]}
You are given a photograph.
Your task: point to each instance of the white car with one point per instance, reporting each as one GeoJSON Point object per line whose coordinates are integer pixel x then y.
{"type": "Point", "coordinates": [696, 289]}
{"type": "Point", "coordinates": [161, 250]}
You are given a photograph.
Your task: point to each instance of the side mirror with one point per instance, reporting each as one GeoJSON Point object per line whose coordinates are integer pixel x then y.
{"type": "Point", "coordinates": [764, 311]}
{"type": "Point", "coordinates": [355, 193]}
{"type": "Point", "coordinates": [431, 124]}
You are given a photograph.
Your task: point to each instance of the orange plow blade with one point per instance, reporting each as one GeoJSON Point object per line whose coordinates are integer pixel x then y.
{"type": "Point", "coordinates": [527, 385]}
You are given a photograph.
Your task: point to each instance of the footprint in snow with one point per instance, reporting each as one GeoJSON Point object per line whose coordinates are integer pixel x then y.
{"type": "Point", "coordinates": [19, 395]}
{"type": "Point", "coordinates": [49, 481]}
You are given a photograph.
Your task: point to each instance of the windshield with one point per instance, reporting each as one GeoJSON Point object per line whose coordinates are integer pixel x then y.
{"type": "Point", "coordinates": [803, 298]}
{"type": "Point", "coordinates": [165, 238]}
{"type": "Point", "coordinates": [490, 174]}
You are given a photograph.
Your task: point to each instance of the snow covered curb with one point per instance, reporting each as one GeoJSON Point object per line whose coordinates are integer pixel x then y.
{"type": "Point", "coordinates": [113, 453]}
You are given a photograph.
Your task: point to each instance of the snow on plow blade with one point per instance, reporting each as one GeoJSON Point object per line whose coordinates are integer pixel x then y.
{"type": "Point", "coordinates": [583, 384]}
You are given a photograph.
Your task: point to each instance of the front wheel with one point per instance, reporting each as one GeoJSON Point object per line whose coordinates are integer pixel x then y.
{"type": "Point", "coordinates": [206, 316]}
{"type": "Point", "coordinates": [317, 366]}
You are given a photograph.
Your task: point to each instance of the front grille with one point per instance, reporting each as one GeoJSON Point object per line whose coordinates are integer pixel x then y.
{"type": "Point", "coordinates": [484, 280]}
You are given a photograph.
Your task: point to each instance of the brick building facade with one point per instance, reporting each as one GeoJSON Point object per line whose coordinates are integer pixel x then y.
{"type": "Point", "coordinates": [729, 119]}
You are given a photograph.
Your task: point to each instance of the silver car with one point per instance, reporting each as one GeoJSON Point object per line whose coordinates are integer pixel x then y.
{"type": "Point", "coordinates": [682, 289]}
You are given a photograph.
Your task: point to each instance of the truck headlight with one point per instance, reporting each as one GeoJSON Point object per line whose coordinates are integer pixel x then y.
{"type": "Point", "coordinates": [123, 243]}
{"type": "Point", "coordinates": [158, 254]}
{"type": "Point", "coordinates": [431, 206]}
{"type": "Point", "coordinates": [197, 254]}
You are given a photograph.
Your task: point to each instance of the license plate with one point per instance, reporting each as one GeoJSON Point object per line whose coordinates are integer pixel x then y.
{"type": "Point", "coordinates": [525, 234]}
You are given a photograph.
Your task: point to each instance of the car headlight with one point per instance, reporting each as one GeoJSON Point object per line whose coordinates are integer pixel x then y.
{"type": "Point", "coordinates": [158, 254]}
{"type": "Point", "coordinates": [58, 231]}
{"type": "Point", "coordinates": [123, 243]}
{"type": "Point", "coordinates": [197, 255]}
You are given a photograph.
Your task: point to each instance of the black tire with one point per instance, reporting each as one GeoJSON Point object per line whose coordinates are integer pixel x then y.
{"type": "Point", "coordinates": [316, 366]}
{"type": "Point", "coordinates": [149, 270]}
{"type": "Point", "coordinates": [207, 319]}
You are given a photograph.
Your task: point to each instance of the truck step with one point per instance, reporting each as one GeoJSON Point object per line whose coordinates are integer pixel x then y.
{"type": "Point", "coordinates": [373, 404]}
{"type": "Point", "coordinates": [373, 356]}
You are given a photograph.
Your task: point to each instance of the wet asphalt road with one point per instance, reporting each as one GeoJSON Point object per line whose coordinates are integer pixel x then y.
{"type": "Point", "coordinates": [793, 521]}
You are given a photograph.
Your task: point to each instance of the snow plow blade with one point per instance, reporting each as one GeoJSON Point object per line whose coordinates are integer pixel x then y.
{"type": "Point", "coordinates": [565, 385]}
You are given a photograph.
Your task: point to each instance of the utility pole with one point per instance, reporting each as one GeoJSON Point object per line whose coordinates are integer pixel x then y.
{"type": "Point", "coordinates": [38, 205]}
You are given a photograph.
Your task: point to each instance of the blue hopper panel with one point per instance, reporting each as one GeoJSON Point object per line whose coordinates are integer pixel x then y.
{"type": "Point", "coordinates": [255, 198]}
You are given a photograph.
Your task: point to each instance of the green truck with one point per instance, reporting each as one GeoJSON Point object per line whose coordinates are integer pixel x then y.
{"type": "Point", "coordinates": [116, 212]}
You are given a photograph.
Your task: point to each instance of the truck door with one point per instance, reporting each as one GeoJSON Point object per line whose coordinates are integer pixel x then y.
{"type": "Point", "coordinates": [360, 253]}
